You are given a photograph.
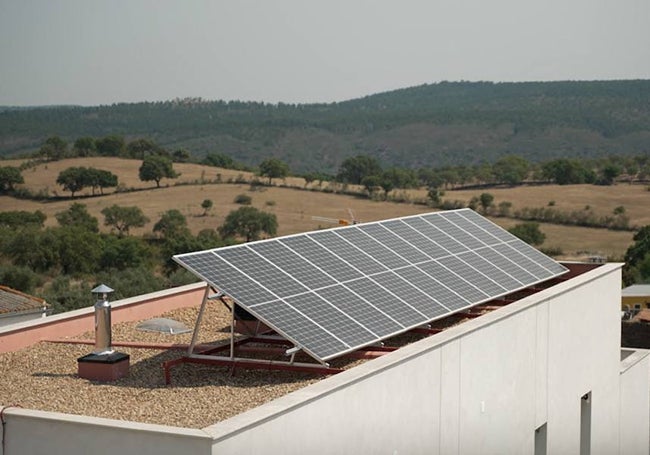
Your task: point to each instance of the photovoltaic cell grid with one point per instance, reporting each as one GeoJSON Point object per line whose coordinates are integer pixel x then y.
{"type": "Point", "coordinates": [335, 291]}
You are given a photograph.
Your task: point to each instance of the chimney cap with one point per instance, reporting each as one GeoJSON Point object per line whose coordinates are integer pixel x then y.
{"type": "Point", "coordinates": [102, 289]}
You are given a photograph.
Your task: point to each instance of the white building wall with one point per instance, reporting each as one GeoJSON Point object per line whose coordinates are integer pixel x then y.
{"type": "Point", "coordinates": [635, 404]}
{"type": "Point", "coordinates": [31, 432]}
{"type": "Point", "coordinates": [584, 356]}
{"type": "Point", "coordinates": [497, 387]}
{"type": "Point", "coordinates": [16, 318]}
{"type": "Point", "coordinates": [482, 387]}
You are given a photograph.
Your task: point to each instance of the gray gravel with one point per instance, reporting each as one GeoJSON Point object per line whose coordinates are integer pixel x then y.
{"type": "Point", "coordinates": [44, 377]}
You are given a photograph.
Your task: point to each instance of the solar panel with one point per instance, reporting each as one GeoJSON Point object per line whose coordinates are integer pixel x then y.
{"type": "Point", "coordinates": [335, 291]}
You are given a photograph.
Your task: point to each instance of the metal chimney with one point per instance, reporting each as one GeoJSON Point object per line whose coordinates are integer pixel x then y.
{"type": "Point", "coordinates": [102, 320]}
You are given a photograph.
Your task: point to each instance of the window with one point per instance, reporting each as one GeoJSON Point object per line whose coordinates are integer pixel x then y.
{"type": "Point", "coordinates": [540, 440]}
{"type": "Point", "coordinates": [585, 424]}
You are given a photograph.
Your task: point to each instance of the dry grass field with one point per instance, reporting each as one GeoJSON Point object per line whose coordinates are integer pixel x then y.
{"type": "Point", "coordinates": [295, 208]}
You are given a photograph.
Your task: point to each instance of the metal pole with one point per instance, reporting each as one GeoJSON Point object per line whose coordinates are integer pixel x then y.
{"type": "Point", "coordinates": [232, 330]}
{"type": "Point", "coordinates": [195, 335]}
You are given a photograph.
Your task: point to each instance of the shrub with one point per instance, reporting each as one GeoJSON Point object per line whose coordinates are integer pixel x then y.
{"type": "Point", "coordinates": [243, 199]}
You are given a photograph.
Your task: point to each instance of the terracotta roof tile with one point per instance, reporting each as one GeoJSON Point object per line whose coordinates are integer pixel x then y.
{"type": "Point", "coordinates": [12, 301]}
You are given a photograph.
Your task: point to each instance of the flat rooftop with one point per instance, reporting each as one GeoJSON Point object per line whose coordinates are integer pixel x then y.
{"type": "Point", "coordinates": [44, 376]}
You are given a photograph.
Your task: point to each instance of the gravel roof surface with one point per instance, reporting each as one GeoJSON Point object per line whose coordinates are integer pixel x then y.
{"type": "Point", "coordinates": [44, 377]}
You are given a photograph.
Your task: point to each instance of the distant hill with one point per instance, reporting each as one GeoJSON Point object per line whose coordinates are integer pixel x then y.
{"type": "Point", "coordinates": [448, 123]}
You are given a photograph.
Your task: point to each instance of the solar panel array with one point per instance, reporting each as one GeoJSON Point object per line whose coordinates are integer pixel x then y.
{"type": "Point", "coordinates": [331, 292]}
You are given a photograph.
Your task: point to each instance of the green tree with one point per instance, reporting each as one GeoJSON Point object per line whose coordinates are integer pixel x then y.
{"type": "Point", "coordinates": [449, 177]}
{"type": "Point", "coordinates": [85, 146]}
{"type": "Point", "coordinates": [120, 253]}
{"type": "Point", "coordinates": [15, 219]}
{"type": "Point", "coordinates": [219, 160]}
{"type": "Point", "coordinates": [371, 183]}
{"type": "Point", "coordinates": [78, 216]}
{"type": "Point", "coordinates": [124, 218]}
{"type": "Point", "coordinates": [10, 176]}
{"type": "Point", "coordinates": [172, 223]}
{"type": "Point", "coordinates": [511, 170]}
{"type": "Point", "coordinates": [274, 169]}
{"type": "Point", "coordinates": [243, 199]}
{"type": "Point", "coordinates": [34, 248]}
{"type": "Point", "coordinates": [157, 167]}
{"type": "Point", "coordinates": [504, 208]}
{"type": "Point", "coordinates": [387, 184]}
{"type": "Point", "coordinates": [132, 281]}
{"type": "Point", "coordinates": [249, 223]}
{"type": "Point", "coordinates": [110, 145]}
{"type": "Point", "coordinates": [486, 200]}
{"type": "Point", "coordinates": [139, 148]}
{"type": "Point", "coordinates": [206, 205]}
{"type": "Point", "coordinates": [54, 148]}
{"type": "Point", "coordinates": [181, 156]}
{"type": "Point", "coordinates": [354, 169]}
{"type": "Point", "coordinates": [529, 232]}
{"type": "Point", "coordinates": [79, 249]}
{"type": "Point", "coordinates": [99, 178]}
{"type": "Point", "coordinates": [66, 295]}
{"type": "Point", "coordinates": [434, 194]}
{"type": "Point", "coordinates": [609, 174]}
{"type": "Point", "coordinates": [73, 179]}
{"type": "Point", "coordinates": [565, 171]}
{"type": "Point", "coordinates": [635, 255]}
{"type": "Point", "coordinates": [20, 278]}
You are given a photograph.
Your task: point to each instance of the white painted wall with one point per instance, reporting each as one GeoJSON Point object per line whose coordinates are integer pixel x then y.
{"type": "Point", "coordinates": [635, 404]}
{"type": "Point", "coordinates": [31, 432]}
{"type": "Point", "coordinates": [481, 387]}
{"type": "Point", "coordinates": [15, 318]}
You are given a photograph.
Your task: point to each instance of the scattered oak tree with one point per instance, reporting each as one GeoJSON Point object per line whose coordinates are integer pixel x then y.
{"type": "Point", "coordinates": [10, 176]}
{"type": "Point", "coordinates": [206, 205]}
{"type": "Point", "coordinates": [172, 223]}
{"type": "Point", "coordinates": [529, 233]}
{"type": "Point", "coordinates": [15, 219]}
{"type": "Point", "coordinates": [110, 145]}
{"type": "Point", "coordinates": [157, 167]}
{"type": "Point", "coordinates": [85, 146]}
{"type": "Point", "coordinates": [124, 218]}
{"type": "Point", "coordinates": [73, 179]}
{"type": "Point", "coordinates": [98, 178]}
{"type": "Point", "coordinates": [486, 200]}
{"type": "Point", "coordinates": [273, 168]}
{"type": "Point", "coordinates": [249, 223]}
{"type": "Point", "coordinates": [78, 216]}
{"type": "Point", "coordinates": [637, 258]}
{"type": "Point", "coordinates": [54, 148]}
{"type": "Point", "coordinates": [354, 169]}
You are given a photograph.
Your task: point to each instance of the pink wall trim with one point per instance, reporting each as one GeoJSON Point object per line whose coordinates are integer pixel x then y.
{"type": "Point", "coordinates": [21, 335]}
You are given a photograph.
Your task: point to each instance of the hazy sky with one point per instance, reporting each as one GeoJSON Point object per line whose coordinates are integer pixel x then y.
{"type": "Point", "coordinates": [295, 51]}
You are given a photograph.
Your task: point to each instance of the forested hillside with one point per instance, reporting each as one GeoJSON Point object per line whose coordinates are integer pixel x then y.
{"type": "Point", "coordinates": [449, 123]}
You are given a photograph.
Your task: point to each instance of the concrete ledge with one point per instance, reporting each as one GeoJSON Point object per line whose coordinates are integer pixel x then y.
{"type": "Point", "coordinates": [17, 336]}
{"type": "Point", "coordinates": [42, 432]}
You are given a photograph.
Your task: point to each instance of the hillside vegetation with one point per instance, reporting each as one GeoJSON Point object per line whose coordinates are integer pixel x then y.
{"type": "Point", "coordinates": [434, 125]}
{"type": "Point", "coordinates": [59, 247]}
{"type": "Point", "coordinates": [295, 203]}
